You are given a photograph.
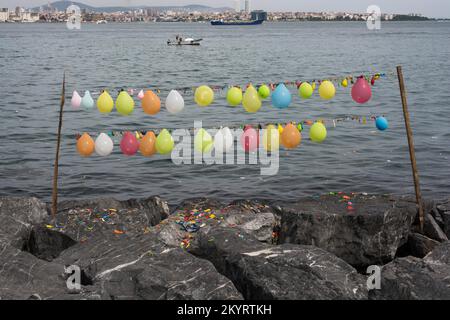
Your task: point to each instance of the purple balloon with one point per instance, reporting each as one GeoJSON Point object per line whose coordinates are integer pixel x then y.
{"type": "Point", "coordinates": [361, 91]}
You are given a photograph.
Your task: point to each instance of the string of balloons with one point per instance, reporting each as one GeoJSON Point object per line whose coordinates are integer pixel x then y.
{"type": "Point", "coordinates": [289, 136]}
{"type": "Point", "coordinates": [251, 98]}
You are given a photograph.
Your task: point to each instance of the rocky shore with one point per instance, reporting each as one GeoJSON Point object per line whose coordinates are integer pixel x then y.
{"type": "Point", "coordinates": [313, 248]}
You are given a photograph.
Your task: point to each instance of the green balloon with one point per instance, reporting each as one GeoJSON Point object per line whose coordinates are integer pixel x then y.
{"type": "Point", "coordinates": [164, 142]}
{"type": "Point", "coordinates": [203, 141]}
{"type": "Point", "coordinates": [306, 90]}
{"type": "Point", "coordinates": [264, 91]}
{"type": "Point", "coordinates": [234, 96]}
{"type": "Point", "coordinates": [318, 132]}
{"type": "Point", "coordinates": [124, 103]}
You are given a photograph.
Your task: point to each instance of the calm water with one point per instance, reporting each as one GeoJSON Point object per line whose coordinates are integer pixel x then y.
{"type": "Point", "coordinates": [355, 157]}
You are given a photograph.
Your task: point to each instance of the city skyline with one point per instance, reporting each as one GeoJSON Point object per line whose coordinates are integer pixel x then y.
{"type": "Point", "coordinates": [432, 8]}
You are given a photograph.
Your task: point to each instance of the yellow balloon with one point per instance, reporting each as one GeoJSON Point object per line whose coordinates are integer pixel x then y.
{"type": "Point", "coordinates": [327, 90]}
{"type": "Point", "coordinates": [105, 103]}
{"type": "Point", "coordinates": [306, 90]}
{"type": "Point", "coordinates": [203, 141]}
{"type": "Point", "coordinates": [164, 142]}
{"type": "Point", "coordinates": [251, 101]}
{"type": "Point", "coordinates": [204, 96]}
{"type": "Point", "coordinates": [318, 132]}
{"type": "Point", "coordinates": [345, 83]}
{"type": "Point", "coordinates": [271, 139]}
{"type": "Point", "coordinates": [234, 96]}
{"type": "Point", "coordinates": [280, 129]}
{"type": "Point", "coordinates": [124, 103]}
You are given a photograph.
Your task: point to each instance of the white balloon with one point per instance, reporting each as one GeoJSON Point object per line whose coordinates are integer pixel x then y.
{"type": "Point", "coordinates": [141, 95]}
{"type": "Point", "coordinates": [76, 99]}
{"type": "Point", "coordinates": [174, 102]}
{"type": "Point", "coordinates": [104, 145]}
{"type": "Point", "coordinates": [223, 140]}
{"type": "Point", "coordinates": [87, 102]}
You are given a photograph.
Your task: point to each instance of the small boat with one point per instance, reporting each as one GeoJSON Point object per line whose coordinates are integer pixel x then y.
{"type": "Point", "coordinates": [184, 42]}
{"type": "Point", "coordinates": [236, 23]}
{"type": "Point", "coordinates": [101, 22]}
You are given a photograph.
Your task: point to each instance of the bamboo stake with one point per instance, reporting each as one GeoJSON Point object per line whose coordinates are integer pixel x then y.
{"type": "Point", "coordinates": [412, 153]}
{"type": "Point", "coordinates": [58, 144]}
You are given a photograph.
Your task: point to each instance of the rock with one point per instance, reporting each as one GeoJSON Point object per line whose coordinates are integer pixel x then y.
{"type": "Point", "coordinates": [362, 230]}
{"type": "Point", "coordinates": [145, 268]}
{"type": "Point", "coordinates": [88, 219]}
{"type": "Point", "coordinates": [47, 244]}
{"type": "Point", "coordinates": [418, 246]}
{"type": "Point", "coordinates": [444, 209]}
{"type": "Point", "coordinates": [415, 279]}
{"type": "Point", "coordinates": [432, 230]}
{"type": "Point", "coordinates": [16, 218]}
{"type": "Point", "coordinates": [264, 272]}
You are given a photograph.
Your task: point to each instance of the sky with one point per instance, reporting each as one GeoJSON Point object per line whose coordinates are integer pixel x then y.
{"type": "Point", "coordinates": [430, 8]}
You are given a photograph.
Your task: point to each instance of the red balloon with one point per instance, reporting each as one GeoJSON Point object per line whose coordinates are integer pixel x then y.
{"type": "Point", "coordinates": [361, 91]}
{"type": "Point", "coordinates": [129, 144]}
{"type": "Point", "coordinates": [250, 139]}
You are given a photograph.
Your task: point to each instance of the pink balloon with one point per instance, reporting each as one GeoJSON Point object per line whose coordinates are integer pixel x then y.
{"type": "Point", "coordinates": [361, 91]}
{"type": "Point", "coordinates": [141, 95]}
{"type": "Point", "coordinates": [129, 144]}
{"type": "Point", "coordinates": [250, 139]}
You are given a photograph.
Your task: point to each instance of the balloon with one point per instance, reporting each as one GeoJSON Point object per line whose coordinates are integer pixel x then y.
{"type": "Point", "coordinates": [291, 137]}
{"type": "Point", "coordinates": [204, 96]}
{"type": "Point", "coordinates": [251, 101]}
{"type": "Point", "coordinates": [203, 141]}
{"type": "Point", "coordinates": [250, 139]}
{"type": "Point", "coordinates": [318, 132]}
{"type": "Point", "coordinates": [151, 103]}
{"type": "Point", "coordinates": [105, 103]}
{"type": "Point", "coordinates": [174, 102]}
{"type": "Point", "coordinates": [87, 102]}
{"type": "Point", "coordinates": [344, 83]}
{"type": "Point", "coordinates": [223, 140]}
{"type": "Point", "coordinates": [264, 91]}
{"type": "Point", "coordinates": [76, 100]}
{"type": "Point", "coordinates": [85, 145]}
{"type": "Point", "coordinates": [129, 144]}
{"type": "Point", "coordinates": [327, 90]}
{"type": "Point", "coordinates": [280, 129]}
{"type": "Point", "coordinates": [271, 139]}
{"type": "Point", "coordinates": [131, 91]}
{"type": "Point", "coordinates": [361, 91]}
{"type": "Point", "coordinates": [234, 96]}
{"type": "Point", "coordinates": [382, 123]}
{"type": "Point", "coordinates": [281, 97]}
{"type": "Point", "coordinates": [124, 103]}
{"type": "Point", "coordinates": [306, 90]}
{"type": "Point", "coordinates": [164, 142]}
{"type": "Point", "coordinates": [103, 145]}
{"type": "Point", "coordinates": [147, 146]}
{"type": "Point", "coordinates": [141, 95]}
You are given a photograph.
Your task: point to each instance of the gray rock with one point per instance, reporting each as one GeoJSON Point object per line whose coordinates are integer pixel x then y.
{"type": "Point", "coordinates": [265, 272]}
{"type": "Point", "coordinates": [145, 268]}
{"type": "Point", "coordinates": [417, 246]}
{"type": "Point", "coordinates": [432, 229]}
{"type": "Point", "coordinates": [415, 279]}
{"type": "Point", "coordinates": [444, 209]}
{"type": "Point", "coordinates": [367, 233]}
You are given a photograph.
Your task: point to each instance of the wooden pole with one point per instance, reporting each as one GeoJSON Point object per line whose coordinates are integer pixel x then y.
{"type": "Point", "coordinates": [412, 153]}
{"type": "Point", "coordinates": [58, 144]}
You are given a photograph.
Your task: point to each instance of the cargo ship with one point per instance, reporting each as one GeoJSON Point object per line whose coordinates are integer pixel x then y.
{"type": "Point", "coordinates": [236, 23]}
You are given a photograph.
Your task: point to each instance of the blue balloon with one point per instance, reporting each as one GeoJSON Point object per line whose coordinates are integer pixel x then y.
{"type": "Point", "coordinates": [381, 123]}
{"type": "Point", "coordinates": [281, 97]}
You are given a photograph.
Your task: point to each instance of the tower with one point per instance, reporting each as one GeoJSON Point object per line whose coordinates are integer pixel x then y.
{"type": "Point", "coordinates": [247, 6]}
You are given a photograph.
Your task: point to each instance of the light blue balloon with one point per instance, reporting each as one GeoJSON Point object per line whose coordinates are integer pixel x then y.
{"type": "Point", "coordinates": [87, 102]}
{"type": "Point", "coordinates": [281, 97]}
{"type": "Point", "coordinates": [382, 123]}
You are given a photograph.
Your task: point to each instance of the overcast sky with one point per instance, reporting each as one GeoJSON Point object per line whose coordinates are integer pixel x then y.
{"type": "Point", "coordinates": [431, 8]}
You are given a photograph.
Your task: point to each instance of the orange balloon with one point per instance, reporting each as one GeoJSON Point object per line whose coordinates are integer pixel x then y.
{"type": "Point", "coordinates": [147, 146]}
{"type": "Point", "coordinates": [291, 137]}
{"type": "Point", "coordinates": [151, 103]}
{"type": "Point", "coordinates": [85, 145]}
